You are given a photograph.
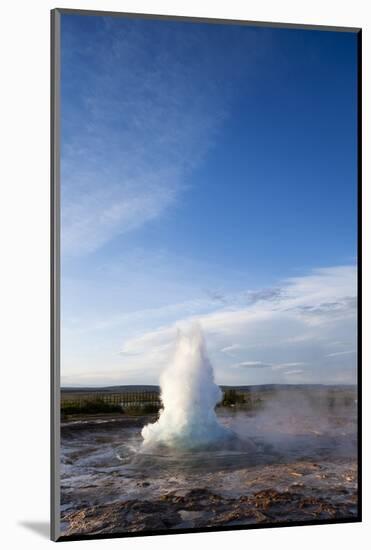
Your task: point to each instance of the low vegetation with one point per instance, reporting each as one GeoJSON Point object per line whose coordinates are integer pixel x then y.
{"type": "Point", "coordinates": [90, 406]}
{"type": "Point", "coordinates": [148, 402]}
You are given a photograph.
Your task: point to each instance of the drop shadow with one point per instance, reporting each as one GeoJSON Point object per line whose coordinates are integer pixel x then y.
{"type": "Point", "coordinates": [41, 528]}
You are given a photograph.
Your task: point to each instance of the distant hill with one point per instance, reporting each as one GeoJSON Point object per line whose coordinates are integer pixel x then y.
{"type": "Point", "coordinates": [117, 389]}
{"type": "Point", "coordinates": [271, 387]}
{"type": "Point", "coordinates": [250, 388]}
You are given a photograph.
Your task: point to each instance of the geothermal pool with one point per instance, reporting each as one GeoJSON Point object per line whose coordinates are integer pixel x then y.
{"type": "Point", "coordinates": [197, 466]}
{"type": "Point", "coordinates": [303, 467]}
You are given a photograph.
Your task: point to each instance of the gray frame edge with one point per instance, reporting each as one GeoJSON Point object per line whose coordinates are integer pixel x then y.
{"type": "Point", "coordinates": [213, 20]}
{"type": "Point", "coordinates": [55, 274]}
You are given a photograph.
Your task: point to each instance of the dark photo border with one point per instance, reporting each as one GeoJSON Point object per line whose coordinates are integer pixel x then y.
{"type": "Point", "coordinates": [55, 270]}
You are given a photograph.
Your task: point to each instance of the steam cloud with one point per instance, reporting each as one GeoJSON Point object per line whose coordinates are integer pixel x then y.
{"type": "Point", "coordinates": [189, 396]}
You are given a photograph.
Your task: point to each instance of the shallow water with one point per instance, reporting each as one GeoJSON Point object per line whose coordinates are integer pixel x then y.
{"type": "Point", "coordinates": [288, 468]}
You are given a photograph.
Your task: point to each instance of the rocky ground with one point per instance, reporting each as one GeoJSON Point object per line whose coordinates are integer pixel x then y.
{"type": "Point", "coordinates": [297, 472]}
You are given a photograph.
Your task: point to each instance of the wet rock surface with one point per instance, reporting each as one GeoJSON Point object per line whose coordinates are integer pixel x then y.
{"type": "Point", "coordinates": [297, 475]}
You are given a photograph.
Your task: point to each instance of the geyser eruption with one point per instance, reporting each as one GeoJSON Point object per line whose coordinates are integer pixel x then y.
{"type": "Point", "coordinates": [189, 396]}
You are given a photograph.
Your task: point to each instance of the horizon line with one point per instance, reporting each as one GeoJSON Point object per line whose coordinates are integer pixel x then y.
{"type": "Point", "coordinates": [220, 385]}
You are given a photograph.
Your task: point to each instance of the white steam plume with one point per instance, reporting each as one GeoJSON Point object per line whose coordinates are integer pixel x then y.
{"type": "Point", "coordinates": [189, 396]}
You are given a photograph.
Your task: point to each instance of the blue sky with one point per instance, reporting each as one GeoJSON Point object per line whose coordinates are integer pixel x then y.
{"type": "Point", "coordinates": [208, 172]}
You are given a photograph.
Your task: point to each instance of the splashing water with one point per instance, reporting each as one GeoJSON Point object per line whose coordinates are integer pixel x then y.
{"type": "Point", "coordinates": [189, 396]}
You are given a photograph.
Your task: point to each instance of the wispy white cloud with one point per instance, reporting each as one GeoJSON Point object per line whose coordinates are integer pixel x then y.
{"type": "Point", "coordinates": [294, 372]}
{"type": "Point", "coordinates": [278, 335]}
{"type": "Point", "coordinates": [231, 349]}
{"type": "Point", "coordinates": [339, 353]}
{"type": "Point", "coordinates": [281, 330]}
{"type": "Point", "coordinates": [251, 365]}
{"type": "Point", "coordinates": [136, 125]}
{"type": "Point", "coordinates": [98, 215]}
{"type": "Point", "coordinates": [281, 366]}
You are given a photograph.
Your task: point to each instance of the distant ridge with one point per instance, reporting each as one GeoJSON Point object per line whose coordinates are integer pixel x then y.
{"type": "Point", "coordinates": [252, 388]}
{"type": "Point", "coordinates": [269, 387]}
{"type": "Point", "coordinates": [118, 389]}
